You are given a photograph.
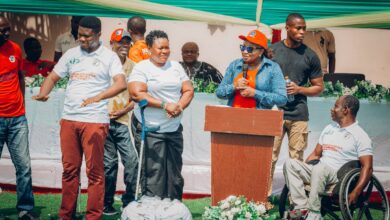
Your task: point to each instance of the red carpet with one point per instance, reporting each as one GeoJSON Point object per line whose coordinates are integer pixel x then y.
{"type": "Point", "coordinates": [45, 190]}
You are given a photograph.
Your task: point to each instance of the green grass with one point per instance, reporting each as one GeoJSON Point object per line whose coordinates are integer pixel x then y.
{"type": "Point", "coordinates": [47, 206]}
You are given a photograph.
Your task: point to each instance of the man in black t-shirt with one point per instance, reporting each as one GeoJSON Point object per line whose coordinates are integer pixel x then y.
{"type": "Point", "coordinates": [196, 69]}
{"type": "Point", "coordinates": [300, 64]}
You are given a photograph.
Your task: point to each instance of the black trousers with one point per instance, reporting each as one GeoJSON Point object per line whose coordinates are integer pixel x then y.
{"type": "Point", "coordinates": [162, 162]}
{"type": "Point", "coordinates": [119, 141]}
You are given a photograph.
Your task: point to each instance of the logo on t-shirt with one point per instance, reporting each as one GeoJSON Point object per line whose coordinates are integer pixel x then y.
{"type": "Point", "coordinates": [96, 62]}
{"type": "Point", "coordinates": [12, 59]}
{"type": "Point", "coordinates": [74, 61]}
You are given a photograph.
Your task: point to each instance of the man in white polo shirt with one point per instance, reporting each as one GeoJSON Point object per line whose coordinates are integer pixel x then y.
{"type": "Point", "coordinates": [338, 144]}
{"type": "Point", "coordinates": [85, 119]}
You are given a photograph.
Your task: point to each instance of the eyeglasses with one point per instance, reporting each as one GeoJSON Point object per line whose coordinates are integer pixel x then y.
{"type": "Point", "coordinates": [5, 30]}
{"type": "Point", "coordinates": [249, 49]}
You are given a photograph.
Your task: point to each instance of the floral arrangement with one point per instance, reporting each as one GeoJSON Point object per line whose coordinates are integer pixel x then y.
{"type": "Point", "coordinates": [362, 90]}
{"type": "Point", "coordinates": [238, 208]}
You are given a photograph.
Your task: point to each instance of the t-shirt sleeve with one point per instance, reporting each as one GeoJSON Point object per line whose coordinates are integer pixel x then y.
{"type": "Point", "coordinates": [137, 75]}
{"type": "Point", "coordinates": [20, 59]}
{"type": "Point", "coordinates": [331, 43]}
{"type": "Point", "coordinates": [364, 145]}
{"type": "Point", "coordinates": [115, 67]}
{"type": "Point", "coordinates": [135, 55]}
{"type": "Point", "coordinates": [215, 74]}
{"type": "Point", "coordinates": [315, 66]}
{"type": "Point", "coordinates": [321, 139]}
{"type": "Point", "coordinates": [62, 68]}
{"type": "Point", "coordinates": [57, 46]}
{"type": "Point", "coordinates": [183, 75]}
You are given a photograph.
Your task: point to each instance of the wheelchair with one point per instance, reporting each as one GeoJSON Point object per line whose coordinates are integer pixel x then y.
{"type": "Point", "coordinates": [336, 197]}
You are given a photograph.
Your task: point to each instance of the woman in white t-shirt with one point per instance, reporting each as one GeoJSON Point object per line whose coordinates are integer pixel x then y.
{"type": "Point", "coordinates": [168, 90]}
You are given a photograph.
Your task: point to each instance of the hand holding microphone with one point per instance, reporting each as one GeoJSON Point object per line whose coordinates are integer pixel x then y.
{"type": "Point", "coordinates": [245, 70]}
{"type": "Point", "coordinates": [242, 83]}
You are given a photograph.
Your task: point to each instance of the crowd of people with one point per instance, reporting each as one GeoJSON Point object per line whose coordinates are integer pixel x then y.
{"type": "Point", "coordinates": [106, 85]}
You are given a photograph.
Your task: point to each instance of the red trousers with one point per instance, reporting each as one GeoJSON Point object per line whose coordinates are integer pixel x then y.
{"type": "Point", "coordinates": [78, 138]}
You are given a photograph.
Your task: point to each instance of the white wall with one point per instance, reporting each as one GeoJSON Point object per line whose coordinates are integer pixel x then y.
{"type": "Point", "coordinates": [364, 51]}
{"type": "Point", "coordinates": [357, 50]}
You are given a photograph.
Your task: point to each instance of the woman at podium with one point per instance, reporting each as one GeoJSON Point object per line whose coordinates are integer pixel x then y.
{"type": "Point", "coordinates": [253, 81]}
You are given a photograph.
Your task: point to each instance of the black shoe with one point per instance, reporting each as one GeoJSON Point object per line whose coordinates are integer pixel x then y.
{"type": "Point", "coordinates": [109, 210]}
{"type": "Point", "coordinates": [25, 215]}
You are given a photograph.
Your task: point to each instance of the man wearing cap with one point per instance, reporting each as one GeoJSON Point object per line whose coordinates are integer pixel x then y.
{"type": "Point", "coordinates": [253, 81]}
{"type": "Point", "coordinates": [196, 69]}
{"type": "Point", "coordinates": [95, 75]}
{"type": "Point", "coordinates": [301, 65]}
{"type": "Point", "coordinates": [118, 139]}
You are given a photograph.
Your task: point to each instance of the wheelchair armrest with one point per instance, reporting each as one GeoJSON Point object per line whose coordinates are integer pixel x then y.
{"type": "Point", "coordinates": [327, 194]}
{"type": "Point", "coordinates": [313, 162]}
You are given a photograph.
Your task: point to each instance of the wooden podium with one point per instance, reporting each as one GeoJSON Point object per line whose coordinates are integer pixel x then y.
{"type": "Point", "coordinates": [241, 150]}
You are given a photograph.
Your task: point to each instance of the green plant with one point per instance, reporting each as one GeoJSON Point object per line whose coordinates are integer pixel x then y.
{"type": "Point", "coordinates": [238, 208]}
{"type": "Point", "coordinates": [37, 80]}
{"type": "Point", "coordinates": [364, 89]}
{"type": "Point", "coordinates": [204, 86]}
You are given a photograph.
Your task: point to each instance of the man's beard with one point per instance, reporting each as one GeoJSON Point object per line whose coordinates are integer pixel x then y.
{"type": "Point", "coordinates": [91, 46]}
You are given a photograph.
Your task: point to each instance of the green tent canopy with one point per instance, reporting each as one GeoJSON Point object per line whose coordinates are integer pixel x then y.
{"type": "Point", "coordinates": [241, 11]}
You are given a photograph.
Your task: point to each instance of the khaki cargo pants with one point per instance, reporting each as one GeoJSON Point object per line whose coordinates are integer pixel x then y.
{"type": "Point", "coordinates": [297, 132]}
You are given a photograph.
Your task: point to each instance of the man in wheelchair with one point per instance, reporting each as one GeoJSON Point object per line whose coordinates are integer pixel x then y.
{"type": "Point", "coordinates": [338, 144]}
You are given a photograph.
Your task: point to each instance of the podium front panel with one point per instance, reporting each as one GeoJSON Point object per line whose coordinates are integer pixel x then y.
{"type": "Point", "coordinates": [241, 165]}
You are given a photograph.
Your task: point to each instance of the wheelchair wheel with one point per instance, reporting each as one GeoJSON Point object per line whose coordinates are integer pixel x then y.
{"type": "Point", "coordinates": [363, 209]}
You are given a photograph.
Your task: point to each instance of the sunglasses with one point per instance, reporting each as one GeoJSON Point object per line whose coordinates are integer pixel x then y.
{"type": "Point", "coordinates": [5, 30]}
{"type": "Point", "coordinates": [249, 49]}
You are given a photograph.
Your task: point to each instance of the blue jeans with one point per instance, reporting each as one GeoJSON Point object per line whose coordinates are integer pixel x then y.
{"type": "Point", "coordinates": [118, 140]}
{"type": "Point", "coordinates": [14, 132]}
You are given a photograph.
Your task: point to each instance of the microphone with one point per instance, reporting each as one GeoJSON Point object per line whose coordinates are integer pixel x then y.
{"type": "Point", "coordinates": [244, 70]}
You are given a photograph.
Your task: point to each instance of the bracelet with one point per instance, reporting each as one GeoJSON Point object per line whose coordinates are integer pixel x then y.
{"type": "Point", "coordinates": [163, 105]}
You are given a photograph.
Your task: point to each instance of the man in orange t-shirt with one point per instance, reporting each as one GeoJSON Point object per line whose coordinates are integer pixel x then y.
{"type": "Point", "coordinates": [32, 64]}
{"type": "Point", "coordinates": [136, 26]}
{"type": "Point", "coordinates": [13, 123]}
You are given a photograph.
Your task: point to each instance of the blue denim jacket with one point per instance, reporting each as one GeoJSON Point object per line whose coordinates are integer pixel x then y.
{"type": "Point", "coordinates": [270, 84]}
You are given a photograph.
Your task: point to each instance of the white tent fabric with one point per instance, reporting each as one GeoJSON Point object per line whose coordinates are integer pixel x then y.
{"type": "Point", "coordinates": [43, 119]}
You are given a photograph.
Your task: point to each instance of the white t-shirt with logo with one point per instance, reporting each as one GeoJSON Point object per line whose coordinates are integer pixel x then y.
{"type": "Point", "coordinates": [163, 83]}
{"type": "Point", "coordinates": [89, 75]}
{"type": "Point", "coordinates": [341, 145]}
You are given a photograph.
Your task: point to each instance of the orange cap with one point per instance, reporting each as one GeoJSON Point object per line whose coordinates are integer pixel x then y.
{"type": "Point", "coordinates": [256, 37]}
{"type": "Point", "coordinates": [118, 34]}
